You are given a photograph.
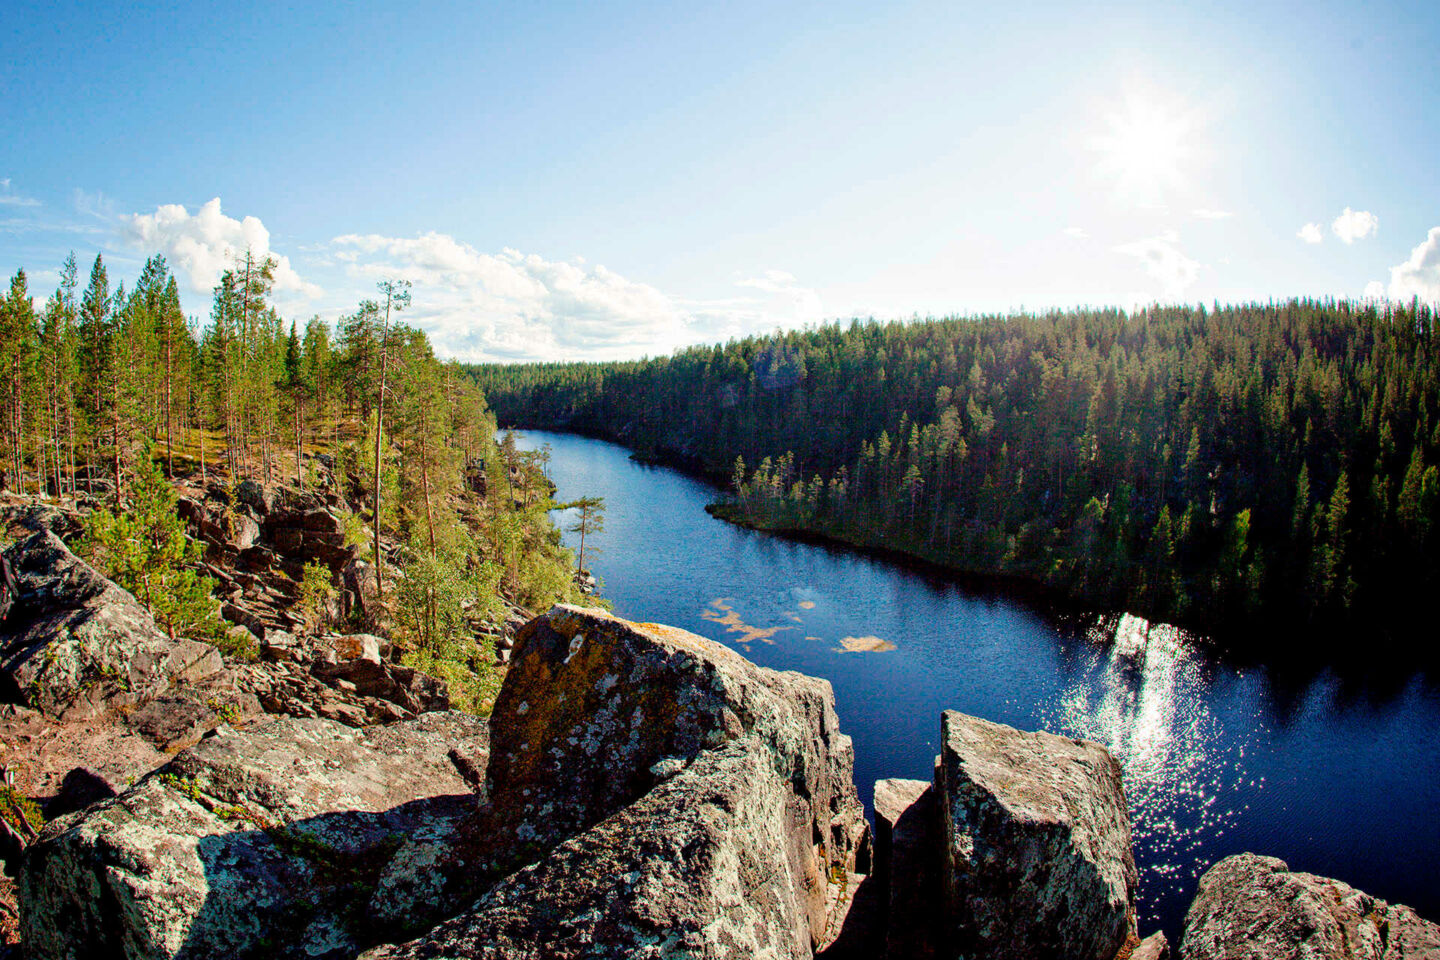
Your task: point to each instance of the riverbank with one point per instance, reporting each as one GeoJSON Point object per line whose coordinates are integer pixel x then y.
{"type": "Point", "coordinates": [1025, 589]}
{"type": "Point", "coordinates": [1250, 642]}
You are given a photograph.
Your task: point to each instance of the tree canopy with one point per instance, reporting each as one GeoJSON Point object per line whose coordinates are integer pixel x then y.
{"type": "Point", "coordinates": [1216, 467]}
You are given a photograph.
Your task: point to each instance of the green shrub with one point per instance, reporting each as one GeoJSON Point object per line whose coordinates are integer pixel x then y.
{"type": "Point", "coordinates": [317, 590]}
{"type": "Point", "coordinates": [16, 807]}
{"type": "Point", "coordinates": [145, 550]}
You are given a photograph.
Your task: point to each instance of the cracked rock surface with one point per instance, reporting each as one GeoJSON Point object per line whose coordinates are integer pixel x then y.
{"type": "Point", "coordinates": [653, 793]}
{"type": "Point", "coordinates": [1250, 907]}
{"type": "Point", "coordinates": [1037, 858]}
{"type": "Point", "coordinates": [292, 838]}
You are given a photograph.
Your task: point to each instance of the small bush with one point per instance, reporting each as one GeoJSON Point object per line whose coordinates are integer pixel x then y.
{"type": "Point", "coordinates": [317, 592]}
{"type": "Point", "coordinates": [145, 550]}
{"type": "Point", "coordinates": [15, 807]}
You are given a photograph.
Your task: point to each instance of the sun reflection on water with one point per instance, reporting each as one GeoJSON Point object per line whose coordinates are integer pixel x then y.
{"type": "Point", "coordinates": [1141, 694]}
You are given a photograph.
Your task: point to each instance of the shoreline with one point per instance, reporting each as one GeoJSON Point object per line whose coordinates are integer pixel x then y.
{"type": "Point", "coordinates": [1246, 647]}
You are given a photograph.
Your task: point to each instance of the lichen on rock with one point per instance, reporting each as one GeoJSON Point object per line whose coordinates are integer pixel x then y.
{"type": "Point", "coordinates": [1250, 907]}
{"type": "Point", "coordinates": [1037, 844]}
{"type": "Point", "coordinates": [654, 793]}
{"type": "Point", "coordinates": [77, 645]}
{"type": "Point", "coordinates": [292, 838]}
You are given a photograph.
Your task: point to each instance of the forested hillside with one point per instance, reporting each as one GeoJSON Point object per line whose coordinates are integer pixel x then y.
{"type": "Point", "coordinates": [1254, 463]}
{"type": "Point", "coordinates": [104, 388]}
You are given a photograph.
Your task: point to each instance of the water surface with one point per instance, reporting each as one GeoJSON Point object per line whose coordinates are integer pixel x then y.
{"type": "Point", "coordinates": [1335, 774]}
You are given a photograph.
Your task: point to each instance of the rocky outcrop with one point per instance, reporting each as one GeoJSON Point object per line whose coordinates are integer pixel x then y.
{"type": "Point", "coordinates": [350, 678]}
{"type": "Point", "coordinates": [1249, 907]}
{"type": "Point", "coordinates": [1019, 848]}
{"type": "Point", "coordinates": [96, 683]}
{"type": "Point", "coordinates": [258, 540]}
{"type": "Point", "coordinates": [700, 866]}
{"type": "Point", "coordinates": [1153, 947]}
{"type": "Point", "coordinates": [907, 867]}
{"type": "Point", "coordinates": [293, 838]}
{"type": "Point", "coordinates": [314, 534]}
{"type": "Point", "coordinates": [21, 517]}
{"type": "Point", "coordinates": [658, 793]}
{"type": "Point", "coordinates": [595, 711]}
{"type": "Point", "coordinates": [649, 792]}
{"type": "Point", "coordinates": [77, 645]}
{"type": "Point", "coordinates": [1037, 858]}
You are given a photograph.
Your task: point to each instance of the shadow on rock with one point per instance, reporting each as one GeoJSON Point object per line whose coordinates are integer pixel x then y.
{"type": "Point", "coordinates": [294, 838]}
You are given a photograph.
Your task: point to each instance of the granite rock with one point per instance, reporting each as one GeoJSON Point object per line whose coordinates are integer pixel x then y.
{"type": "Point", "coordinates": [77, 645]}
{"type": "Point", "coordinates": [1250, 907]}
{"type": "Point", "coordinates": [1037, 858]}
{"type": "Point", "coordinates": [653, 793]}
{"type": "Point", "coordinates": [907, 866]}
{"type": "Point", "coordinates": [292, 838]}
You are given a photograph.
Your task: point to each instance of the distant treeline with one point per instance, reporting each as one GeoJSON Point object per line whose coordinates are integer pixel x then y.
{"type": "Point", "coordinates": [1220, 468]}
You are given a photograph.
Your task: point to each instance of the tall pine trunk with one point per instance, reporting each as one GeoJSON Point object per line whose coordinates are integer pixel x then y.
{"type": "Point", "coordinates": [115, 440]}
{"type": "Point", "coordinates": [169, 404]}
{"type": "Point", "coordinates": [379, 433]}
{"type": "Point", "coordinates": [299, 444]}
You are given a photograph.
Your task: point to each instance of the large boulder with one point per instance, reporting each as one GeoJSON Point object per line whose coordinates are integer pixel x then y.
{"type": "Point", "coordinates": [359, 602]}
{"type": "Point", "coordinates": [1250, 907]}
{"type": "Point", "coordinates": [596, 710]}
{"type": "Point", "coordinates": [293, 838]}
{"type": "Point", "coordinates": [255, 495]}
{"type": "Point", "coordinates": [217, 525]}
{"type": "Point", "coordinates": [652, 792]}
{"type": "Point", "coordinates": [76, 644]}
{"type": "Point", "coordinates": [700, 866]}
{"type": "Point", "coordinates": [1037, 858]}
{"type": "Point", "coordinates": [1153, 947]}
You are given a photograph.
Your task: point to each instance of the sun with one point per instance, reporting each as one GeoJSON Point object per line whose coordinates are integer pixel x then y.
{"type": "Point", "coordinates": [1146, 146]}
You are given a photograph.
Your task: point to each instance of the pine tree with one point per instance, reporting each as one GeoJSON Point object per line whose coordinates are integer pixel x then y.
{"type": "Point", "coordinates": [95, 333]}
{"type": "Point", "coordinates": [1409, 510]}
{"type": "Point", "coordinates": [397, 298]}
{"type": "Point", "coordinates": [589, 520]}
{"type": "Point", "coordinates": [145, 550]}
{"type": "Point", "coordinates": [297, 386]}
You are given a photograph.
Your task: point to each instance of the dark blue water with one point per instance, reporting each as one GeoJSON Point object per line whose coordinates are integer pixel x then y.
{"type": "Point", "coordinates": [1335, 774]}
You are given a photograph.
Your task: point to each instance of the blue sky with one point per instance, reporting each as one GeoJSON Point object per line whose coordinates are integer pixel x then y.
{"type": "Point", "coordinates": [596, 181]}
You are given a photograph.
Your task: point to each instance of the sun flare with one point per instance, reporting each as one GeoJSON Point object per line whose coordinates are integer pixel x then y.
{"type": "Point", "coordinates": [1147, 145]}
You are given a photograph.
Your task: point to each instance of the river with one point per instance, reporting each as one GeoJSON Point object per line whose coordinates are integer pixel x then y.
{"type": "Point", "coordinates": [1337, 773]}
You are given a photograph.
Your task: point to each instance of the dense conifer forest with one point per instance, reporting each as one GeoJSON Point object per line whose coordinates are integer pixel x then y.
{"type": "Point", "coordinates": [108, 393]}
{"type": "Point", "coordinates": [1222, 468]}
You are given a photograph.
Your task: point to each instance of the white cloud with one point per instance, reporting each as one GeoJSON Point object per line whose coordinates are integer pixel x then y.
{"type": "Point", "coordinates": [1420, 275]}
{"type": "Point", "coordinates": [782, 301]}
{"type": "Point", "coordinates": [1206, 214]}
{"type": "Point", "coordinates": [1354, 225]}
{"type": "Point", "coordinates": [9, 198]}
{"type": "Point", "coordinates": [511, 305]}
{"type": "Point", "coordinates": [1077, 232]}
{"type": "Point", "coordinates": [95, 205]}
{"type": "Point", "coordinates": [480, 306]}
{"type": "Point", "coordinates": [1374, 290]}
{"type": "Point", "coordinates": [1311, 233]}
{"type": "Point", "coordinates": [1165, 261]}
{"type": "Point", "coordinates": [201, 245]}
{"type": "Point", "coordinates": [787, 303]}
